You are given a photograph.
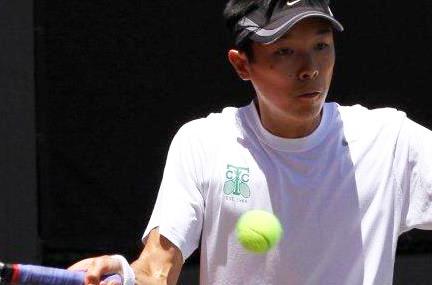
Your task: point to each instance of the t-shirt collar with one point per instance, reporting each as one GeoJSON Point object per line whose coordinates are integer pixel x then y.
{"type": "Point", "coordinates": [285, 144]}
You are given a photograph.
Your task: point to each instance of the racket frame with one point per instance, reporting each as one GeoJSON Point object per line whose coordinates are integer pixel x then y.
{"type": "Point", "coordinates": [6, 273]}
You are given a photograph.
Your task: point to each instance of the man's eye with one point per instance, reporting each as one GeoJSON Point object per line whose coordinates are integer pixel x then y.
{"type": "Point", "coordinates": [321, 46]}
{"type": "Point", "coordinates": [284, 51]}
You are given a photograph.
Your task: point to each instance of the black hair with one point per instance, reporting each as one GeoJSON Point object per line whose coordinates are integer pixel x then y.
{"type": "Point", "coordinates": [237, 9]}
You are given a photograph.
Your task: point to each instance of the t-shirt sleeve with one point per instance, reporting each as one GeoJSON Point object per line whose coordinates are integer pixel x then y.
{"type": "Point", "coordinates": [179, 207]}
{"type": "Point", "coordinates": [415, 175]}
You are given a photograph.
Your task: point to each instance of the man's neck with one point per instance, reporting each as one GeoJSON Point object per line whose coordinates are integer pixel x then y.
{"type": "Point", "coordinates": [287, 127]}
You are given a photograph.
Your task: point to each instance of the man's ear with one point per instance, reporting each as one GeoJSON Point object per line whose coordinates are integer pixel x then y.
{"type": "Point", "coordinates": [240, 63]}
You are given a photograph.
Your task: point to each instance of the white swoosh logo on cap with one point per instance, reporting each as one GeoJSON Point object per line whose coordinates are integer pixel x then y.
{"type": "Point", "coordinates": [289, 3]}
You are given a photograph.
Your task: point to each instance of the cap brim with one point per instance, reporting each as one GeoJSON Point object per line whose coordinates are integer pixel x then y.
{"type": "Point", "coordinates": [273, 31]}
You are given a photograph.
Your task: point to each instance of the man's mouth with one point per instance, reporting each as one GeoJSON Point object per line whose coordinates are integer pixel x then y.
{"type": "Point", "coordinates": [312, 94]}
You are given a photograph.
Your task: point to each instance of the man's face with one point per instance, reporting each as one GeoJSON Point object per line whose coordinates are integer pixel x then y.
{"type": "Point", "coordinates": [299, 63]}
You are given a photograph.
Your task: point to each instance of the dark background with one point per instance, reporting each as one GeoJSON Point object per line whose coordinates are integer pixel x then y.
{"type": "Point", "coordinates": [114, 80]}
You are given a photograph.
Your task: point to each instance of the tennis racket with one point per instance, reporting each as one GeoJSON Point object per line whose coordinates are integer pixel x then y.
{"type": "Point", "coordinates": [41, 275]}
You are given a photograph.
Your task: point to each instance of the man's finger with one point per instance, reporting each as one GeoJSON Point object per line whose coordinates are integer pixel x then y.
{"type": "Point", "coordinates": [81, 265]}
{"type": "Point", "coordinates": [101, 266]}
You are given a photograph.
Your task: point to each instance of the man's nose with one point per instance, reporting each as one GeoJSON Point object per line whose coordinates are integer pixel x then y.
{"type": "Point", "coordinates": [308, 70]}
{"type": "Point", "coordinates": [308, 74]}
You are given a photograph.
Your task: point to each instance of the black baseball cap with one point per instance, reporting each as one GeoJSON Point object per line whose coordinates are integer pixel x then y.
{"type": "Point", "coordinates": [261, 28]}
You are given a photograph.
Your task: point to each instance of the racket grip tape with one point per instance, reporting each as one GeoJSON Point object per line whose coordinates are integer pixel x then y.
{"type": "Point", "coordinates": [41, 275]}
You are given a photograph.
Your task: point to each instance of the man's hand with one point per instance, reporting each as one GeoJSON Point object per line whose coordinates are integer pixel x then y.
{"type": "Point", "coordinates": [160, 263]}
{"type": "Point", "coordinates": [96, 267]}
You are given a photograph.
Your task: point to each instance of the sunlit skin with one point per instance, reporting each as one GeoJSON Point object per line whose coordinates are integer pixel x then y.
{"type": "Point", "coordinates": [300, 62]}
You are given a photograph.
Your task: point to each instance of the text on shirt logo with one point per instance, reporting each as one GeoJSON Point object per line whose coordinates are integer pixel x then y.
{"type": "Point", "coordinates": [236, 183]}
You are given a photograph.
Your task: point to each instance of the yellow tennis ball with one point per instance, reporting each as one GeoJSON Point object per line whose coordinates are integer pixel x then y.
{"type": "Point", "coordinates": [258, 231]}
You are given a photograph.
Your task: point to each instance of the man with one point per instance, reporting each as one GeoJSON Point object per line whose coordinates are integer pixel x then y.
{"type": "Point", "coordinates": [344, 181]}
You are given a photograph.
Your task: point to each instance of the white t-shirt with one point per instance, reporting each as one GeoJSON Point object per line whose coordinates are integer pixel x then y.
{"type": "Point", "coordinates": [343, 195]}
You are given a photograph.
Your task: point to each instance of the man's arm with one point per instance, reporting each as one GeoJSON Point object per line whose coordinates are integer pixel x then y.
{"type": "Point", "coordinates": [160, 263]}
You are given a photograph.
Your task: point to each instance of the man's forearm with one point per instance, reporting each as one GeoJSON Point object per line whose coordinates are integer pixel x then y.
{"type": "Point", "coordinates": [147, 274]}
{"type": "Point", "coordinates": [160, 262]}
